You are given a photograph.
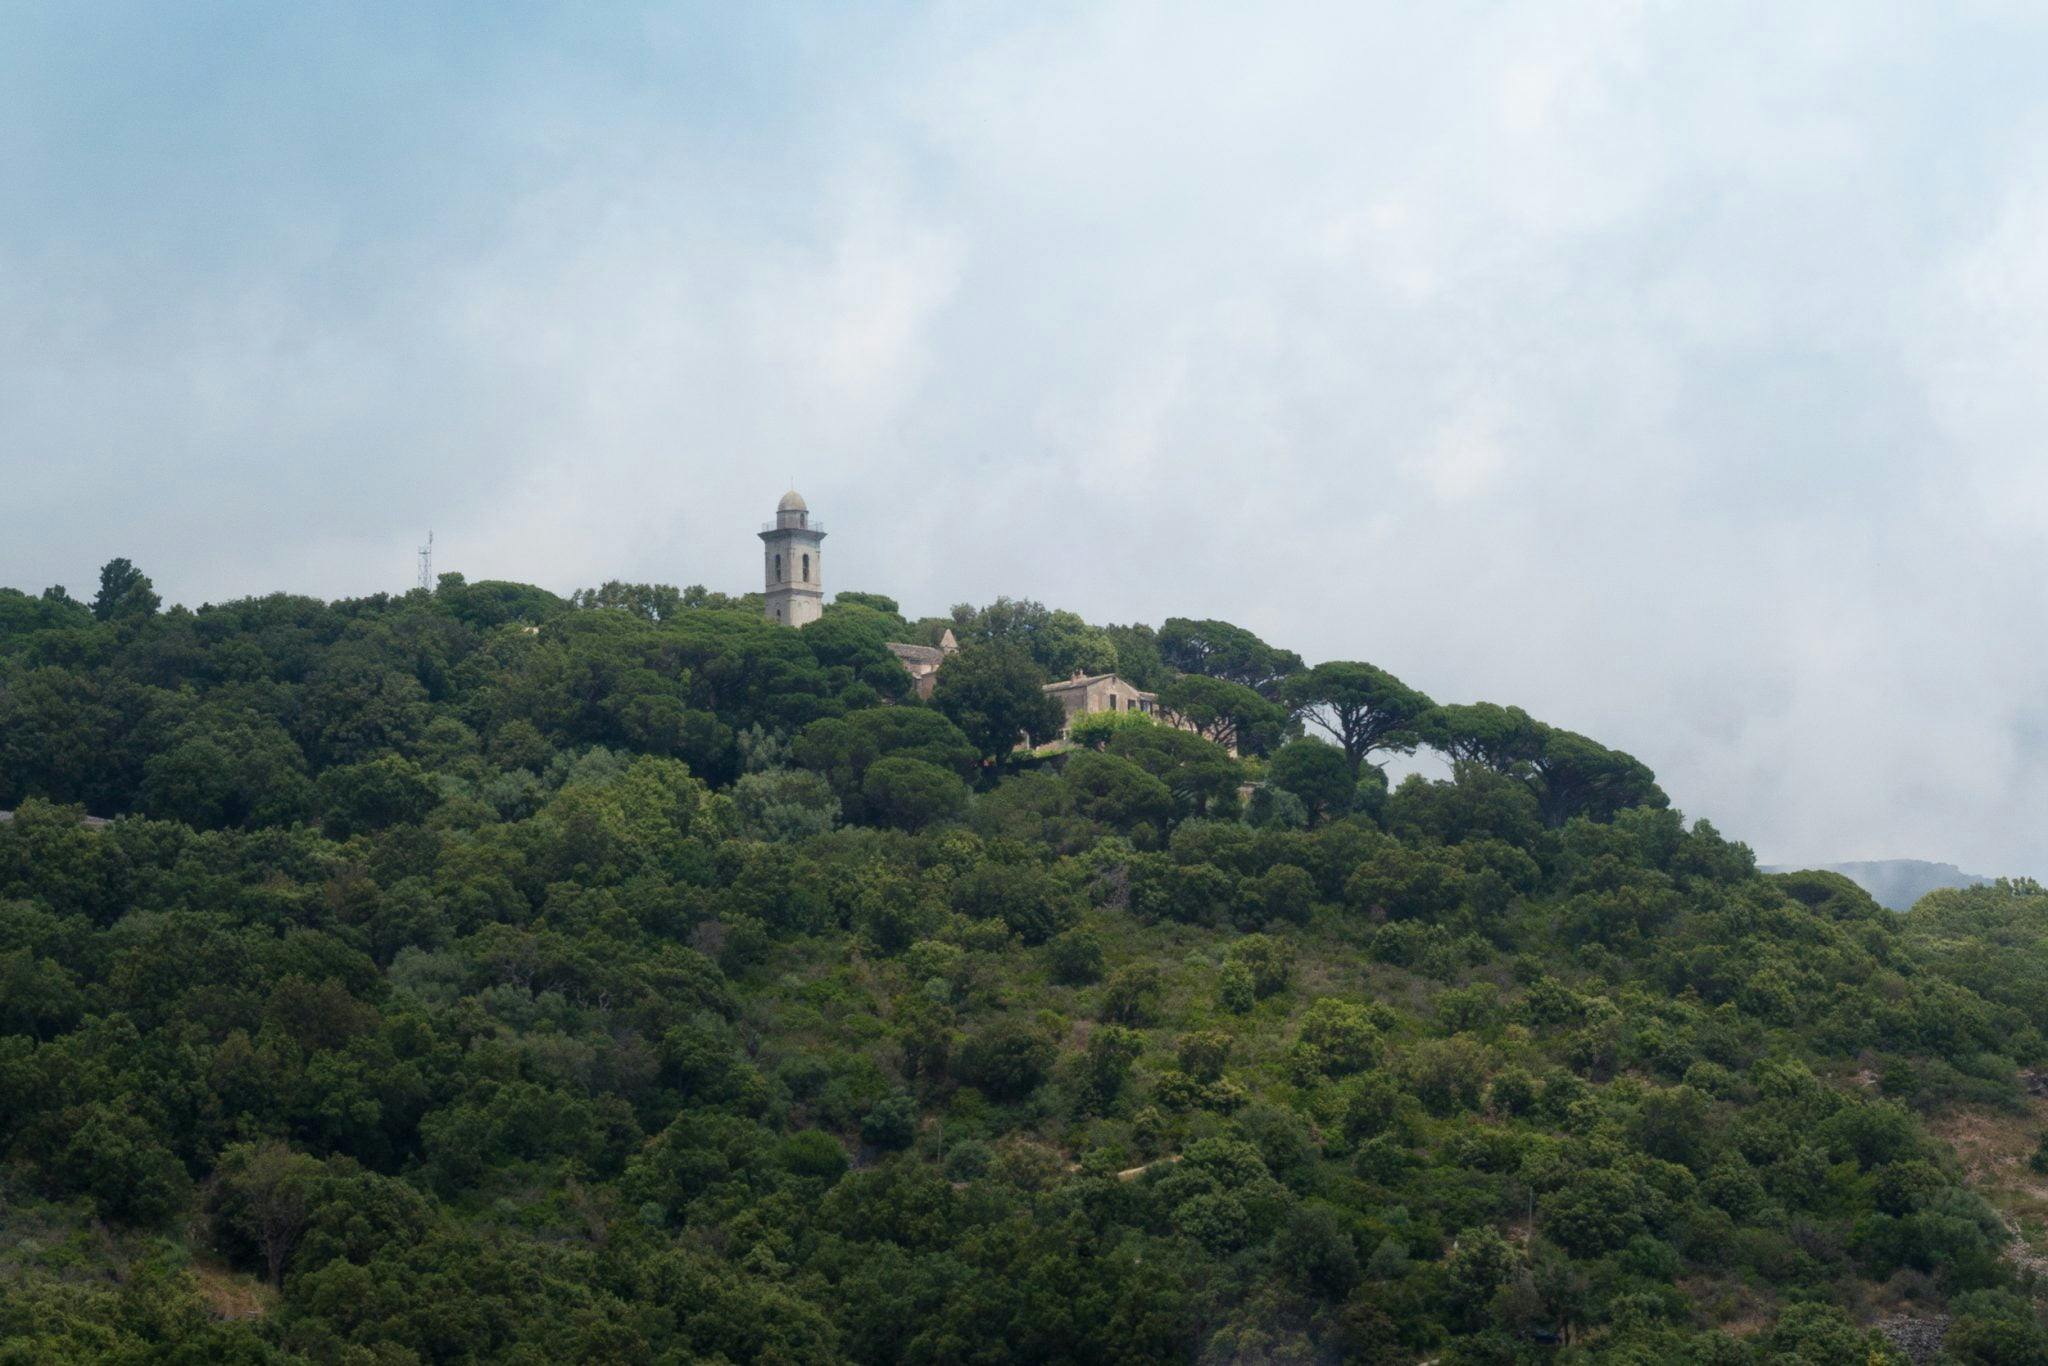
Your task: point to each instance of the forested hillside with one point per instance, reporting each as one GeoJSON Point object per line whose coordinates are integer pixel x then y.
{"type": "Point", "coordinates": [480, 975]}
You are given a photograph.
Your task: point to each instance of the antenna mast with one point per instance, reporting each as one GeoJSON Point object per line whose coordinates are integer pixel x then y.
{"type": "Point", "coordinates": [427, 563]}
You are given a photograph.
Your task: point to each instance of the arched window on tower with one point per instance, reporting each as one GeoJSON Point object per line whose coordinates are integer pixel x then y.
{"type": "Point", "coordinates": [778, 569]}
{"type": "Point", "coordinates": [807, 569]}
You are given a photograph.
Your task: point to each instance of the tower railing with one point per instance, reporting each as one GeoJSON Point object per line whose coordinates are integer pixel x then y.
{"type": "Point", "coordinates": [812, 525]}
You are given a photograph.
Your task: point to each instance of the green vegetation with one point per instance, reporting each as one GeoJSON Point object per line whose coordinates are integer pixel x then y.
{"type": "Point", "coordinates": [480, 975]}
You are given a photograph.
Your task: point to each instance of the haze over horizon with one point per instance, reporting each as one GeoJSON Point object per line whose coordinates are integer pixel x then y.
{"type": "Point", "coordinates": [1675, 374]}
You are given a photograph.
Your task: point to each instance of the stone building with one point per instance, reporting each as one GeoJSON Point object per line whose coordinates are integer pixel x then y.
{"type": "Point", "coordinates": [922, 662]}
{"type": "Point", "coordinates": [794, 562]}
{"type": "Point", "coordinates": [1085, 693]}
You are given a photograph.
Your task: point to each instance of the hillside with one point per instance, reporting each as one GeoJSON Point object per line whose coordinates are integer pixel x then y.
{"type": "Point", "coordinates": [479, 975]}
{"type": "Point", "coordinates": [1896, 883]}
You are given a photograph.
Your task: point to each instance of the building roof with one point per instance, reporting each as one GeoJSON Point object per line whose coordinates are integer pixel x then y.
{"type": "Point", "coordinates": [1077, 681]}
{"type": "Point", "coordinates": [792, 502]}
{"type": "Point", "coordinates": [1083, 680]}
{"type": "Point", "coordinates": [917, 654]}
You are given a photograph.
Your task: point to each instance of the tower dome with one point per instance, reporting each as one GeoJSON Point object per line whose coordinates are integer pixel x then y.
{"type": "Point", "coordinates": [792, 502]}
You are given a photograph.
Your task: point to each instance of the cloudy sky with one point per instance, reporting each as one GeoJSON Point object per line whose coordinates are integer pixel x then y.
{"type": "Point", "coordinates": [1675, 371]}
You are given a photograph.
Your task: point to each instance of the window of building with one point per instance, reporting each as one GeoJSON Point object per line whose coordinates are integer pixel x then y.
{"type": "Point", "coordinates": [807, 569]}
{"type": "Point", "coordinates": [778, 569]}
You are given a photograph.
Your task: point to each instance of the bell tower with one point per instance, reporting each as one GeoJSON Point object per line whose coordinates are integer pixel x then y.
{"type": "Point", "coordinates": [794, 563]}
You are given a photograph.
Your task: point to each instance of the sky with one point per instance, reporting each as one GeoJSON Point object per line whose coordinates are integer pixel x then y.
{"type": "Point", "coordinates": [1674, 371]}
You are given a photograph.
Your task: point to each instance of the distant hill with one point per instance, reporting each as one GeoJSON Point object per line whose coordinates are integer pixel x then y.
{"type": "Point", "coordinates": [1897, 883]}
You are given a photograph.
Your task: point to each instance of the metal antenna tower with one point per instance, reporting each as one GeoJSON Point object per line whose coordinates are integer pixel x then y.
{"type": "Point", "coordinates": [427, 563]}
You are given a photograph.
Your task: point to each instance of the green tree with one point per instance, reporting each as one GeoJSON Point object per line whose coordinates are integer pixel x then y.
{"type": "Point", "coordinates": [855, 637]}
{"type": "Point", "coordinates": [1219, 649]}
{"type": "Point", "coordinates": [1283, 893]}
{"type": "Point", "coordinates": [1059, 643]}
{"type": "Point", "coordinates": [1229, 714]}
{"type": "Point", "coordinates": [892, 1123]}
{"type": "Point", "coordinates": [264, 1195]}
{"type": "Point", "coordinates": [1337, 1037]}
{"type": "Point", "coordinates": [1820, 1335]}
{"type": "Point", "coordinates": [1095, 729]}
{"type": "Point", "coordinates": [1363, 708]}
{"type": "Point", "coordinates": [1020, 895]}
{"type": "Point", "coordinates": [126, 593]}
{"type": "Point", "coordinates": [1480, 1264]}
{"type": "Point", "coordinates": [121, 1164]}
{"type": "Point", "coordinates": [648, 601]}
{"type": "Point", "coordinates": [1316, 1251]}
{"type": "Point", "coordinates": [1138, 661]}
{"type": "Point", "coordinates": [1504, 739]}
{"type": "Point", "coordinates": [785, 804]}
{"type": "Point", "coordinates": [1269, 960]}
{"type": "Point", "coordinates": [1118, 793]}
{"type": "Point", "coordinates": [374, 795]}
{"type": "Point", "coordinates": [842, 748]}
{"type": "Point", "coordinates": [1131, 996]}
{"type": "Point", "coordinates": [1996, 1328]}
{"type": "Point", "coordinates": [1580, 777]}
{"type": "Point", "coordinates": [995, 695]}
{"type": "Point", "coordinates": [1106, 1062]}
{"type": "Point", "coordinates": [1199, 773]}
{"type": "Point", "coordinates": [1406, 884]}
{"type": "Point", "coordinates": [911, 794]}
{"type": "Point", "coordinates": [1007, 1060]}
{"type": "Point", "coordinates": [1318, 774]}
{"type": "Point", "coordinates": [1075, 958]}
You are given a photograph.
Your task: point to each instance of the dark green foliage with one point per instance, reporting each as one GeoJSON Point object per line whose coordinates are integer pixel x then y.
{"type": "Point", "coordinates": [356, 798]}
{"type": "Point", "coordinates": [1314, 1249]}
{"type": "Point", "coordinates": [474, 976]}
{"type": "Point", "coordinates": [910, 794]}
{"type": "Point", "coordinates": [1317, 774]}
{"type": "Point", "coordinates": [842, 749]}
{"type": "Point", "coordinates": [1221, 650]}
{"type": "Point", "coordinates": [126, 593]}
{"type": "Point", "coordinates": [1075, 958]}
{"type": "Point", "coordinates": [1007, 1060]}
{"type": "Point", "coordinates": [992, 692]}
{"type": "Point", "coordinates": [1230, 714]}
{"type": "Point", "coordinates": [785, 804]}
{"type": "Point", "coordinates": [1201, 776]}
{"type": "Point", "coordinates": [854, 637]}
{"type": "Point", "coordinates": [1119, 794]}
{"type": "Point", "coordinates": [1580, 777]}
{"type": "Point", "coordinates": [878, 602]}
{"type": "Point", "coordinates": [1020, 895]}
{"type": "Point", "coordinates": [1504, 739]}
{"type": "Point", "coordinates": [1360, 706]}
{"type": "Point", "coordinates": [1057, 643]}
{"type": "Point", "coordinates": [1281, 894]}
{"type": "Point", "coordinates": [891, 1124]}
